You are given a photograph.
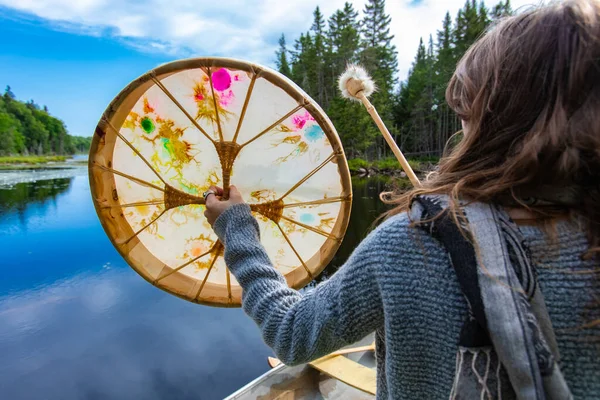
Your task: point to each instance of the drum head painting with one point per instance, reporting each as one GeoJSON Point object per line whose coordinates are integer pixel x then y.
{"type": "Point", "coordinates": [187, 125]}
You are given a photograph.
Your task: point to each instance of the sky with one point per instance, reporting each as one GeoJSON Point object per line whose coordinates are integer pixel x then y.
{"type": "Point", "coordinates": [74, 56]}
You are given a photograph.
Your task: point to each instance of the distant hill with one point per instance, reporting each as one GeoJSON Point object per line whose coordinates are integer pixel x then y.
{"type": "Point", "coordinates": [27, 128]}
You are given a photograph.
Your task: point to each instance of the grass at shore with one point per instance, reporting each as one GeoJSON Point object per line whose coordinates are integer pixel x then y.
{"type": "Point", "coordinates": [388, 164]}
{"type": "Point", "coordinates": [31, 160]}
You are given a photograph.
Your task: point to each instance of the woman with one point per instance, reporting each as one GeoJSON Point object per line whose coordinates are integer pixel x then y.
{"type": "Point", "coordinates": [465, 302]}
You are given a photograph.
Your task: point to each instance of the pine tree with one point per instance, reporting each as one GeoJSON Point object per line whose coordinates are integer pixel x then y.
{"type": "Point", "coordinates": [484, 19]}
{"type": "Point", "coordinates": [310, 81]}
{"type": "Point", "coordinates": [343, 36]}
{"type": "Point", "coordinates": [318, 26]}
{"type": "Point", "coordinates": [318, 30]}
{"type": "Point", "coordinates": [303, 63]}
{"type": "Point", "coordinates": [8, 94]}
{"type": "Point", "coordinates": [446, 60]}
{"type": "Point", "coordinates": [378, 55]}
{"type": "Point", "coordinates": [422, 112]}
{"type": "Point", "coordinates": [282, 61]}
{"type": "Point", "coordinates": [445, 65]}
{"type": "Point", "coordinates": [501, 10]}
{"type": "Point", "coordinates": [409, 113]}
{"type": "Point", "coordinates": [343, 44]}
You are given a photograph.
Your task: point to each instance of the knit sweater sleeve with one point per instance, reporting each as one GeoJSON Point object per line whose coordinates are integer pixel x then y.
{"type": "Point", "coordinates": [301, 327]}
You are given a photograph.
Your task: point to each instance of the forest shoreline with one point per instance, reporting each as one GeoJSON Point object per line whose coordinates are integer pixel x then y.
{"type": "Point", "coordinates": [38, 162]}
{"type": "Point", "coordinates": [32, 159]}
{"type": "Point", "coordinates": [390, 167]}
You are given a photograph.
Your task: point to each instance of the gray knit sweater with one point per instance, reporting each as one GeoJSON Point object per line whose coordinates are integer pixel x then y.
{"type": "Point", "coordinates": [399, 284]}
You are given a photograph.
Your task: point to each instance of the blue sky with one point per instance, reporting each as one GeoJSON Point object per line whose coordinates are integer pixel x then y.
{"type": "Point", "coordinates": [75, 75]}
{"type": "Point", "coordinates": [75, 55]}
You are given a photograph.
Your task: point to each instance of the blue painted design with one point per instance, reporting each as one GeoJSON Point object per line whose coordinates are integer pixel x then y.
{"type": "Point", "coordinates": [314, 133]}
{"type": "Point", "coordinates": [307, 218]}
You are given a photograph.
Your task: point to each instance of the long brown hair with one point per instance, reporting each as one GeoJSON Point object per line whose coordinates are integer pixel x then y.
{"type": "Point", "coordinates": [529, 93]}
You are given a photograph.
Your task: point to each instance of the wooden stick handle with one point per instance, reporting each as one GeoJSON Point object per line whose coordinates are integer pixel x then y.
{"type": "Point", "coordinates": [351, 350]}
{"type": "Point", "coordinates": [273, 362]}
{"type": "Point", "coordinates": [390, 141]}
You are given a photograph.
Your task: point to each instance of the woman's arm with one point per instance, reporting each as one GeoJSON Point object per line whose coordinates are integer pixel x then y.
{"type": "Point", "coordinates": [301, 327]}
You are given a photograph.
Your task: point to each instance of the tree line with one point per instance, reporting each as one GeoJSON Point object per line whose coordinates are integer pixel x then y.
{"type": "Point", "coordinates": [28, 129]}
{"type": "Point", "coordinates": [414, 110]}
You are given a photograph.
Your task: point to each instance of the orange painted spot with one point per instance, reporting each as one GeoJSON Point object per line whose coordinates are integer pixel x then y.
{"type": "Point", "coordinates": [196, 251]}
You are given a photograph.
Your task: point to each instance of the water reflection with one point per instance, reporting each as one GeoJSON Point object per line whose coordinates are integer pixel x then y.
{"type": "Point", "coordinates": [10, 178]}
{"type": "Point", "coordinates": [19, 196]}
{"type": "Point", "coordinates": [76, 322]}
{"type": "Point", "coordinates": [110, 335]}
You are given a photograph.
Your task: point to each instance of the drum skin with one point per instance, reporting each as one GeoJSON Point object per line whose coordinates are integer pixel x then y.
{"type": "Point", "coordinates": [189, 124]}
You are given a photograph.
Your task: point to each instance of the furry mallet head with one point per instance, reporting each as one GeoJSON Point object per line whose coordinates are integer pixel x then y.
{"type": "Point", "coordinates": [355, 80]}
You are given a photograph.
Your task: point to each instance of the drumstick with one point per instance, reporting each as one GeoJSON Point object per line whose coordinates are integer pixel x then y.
{"type": "Point", "coordinates": [355, 84]}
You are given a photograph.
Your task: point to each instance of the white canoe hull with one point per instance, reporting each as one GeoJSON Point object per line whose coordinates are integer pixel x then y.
{"type": "Point", "coordinates": [304, 382]}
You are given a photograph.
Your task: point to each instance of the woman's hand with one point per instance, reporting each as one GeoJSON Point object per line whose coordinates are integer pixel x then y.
{"type": "Point", "coordinates": [215, 206]}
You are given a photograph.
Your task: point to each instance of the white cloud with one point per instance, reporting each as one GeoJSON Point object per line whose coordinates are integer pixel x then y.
{"type": "Point", "coordinates": [411, 23]}
{"type": "Point", "coordinates": [231, 28]}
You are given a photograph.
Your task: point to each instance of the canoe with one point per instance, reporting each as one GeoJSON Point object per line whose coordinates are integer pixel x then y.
{"type": "Point", "coordinates": [308, 382]}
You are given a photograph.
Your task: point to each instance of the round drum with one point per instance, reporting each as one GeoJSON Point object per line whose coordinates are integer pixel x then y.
{"type": "Point", "coordinates": [187, 125]}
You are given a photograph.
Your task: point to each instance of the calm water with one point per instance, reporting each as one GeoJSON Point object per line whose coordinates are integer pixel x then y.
{"type": "Point", "coordinates": [77, 323]}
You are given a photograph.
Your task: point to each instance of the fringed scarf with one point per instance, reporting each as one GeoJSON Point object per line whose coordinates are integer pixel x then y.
{"type": "Point", "coordinates": [508, 331]}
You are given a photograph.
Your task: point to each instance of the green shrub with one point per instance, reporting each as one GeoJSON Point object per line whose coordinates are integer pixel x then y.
{"type": "Point", "coordinates": [31, 159]}
{"type": "Point", "coordinates": [357, 163]}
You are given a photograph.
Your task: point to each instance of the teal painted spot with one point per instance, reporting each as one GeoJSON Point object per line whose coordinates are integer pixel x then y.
{"type": "Point", "coordinates": [307, 218]}
{"type": "Point", "coordinates": [148, 125]}
{"type": "Point", "coordinates": [189, 189]}
{"type": "Point", "coordinates": [314, 133]}
{"type": "Point", "coordinates": [165, 153]}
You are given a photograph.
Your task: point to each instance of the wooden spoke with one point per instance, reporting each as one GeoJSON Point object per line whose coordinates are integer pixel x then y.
{"type": "Point", "coordinates": [244, 107]}
{"type": "Point", "coordinates": [138, 204]}
{"type": "Point", "coordinates": [230, 297]}
{"type": "Point", "coordinates": [212, 263]}
{"type": "Point", "coordinates": [287, 239]}
{"type": "Point", "coordinates": [311, 173]}
{"type": "Point", "coordinates": [136, 151]}
{"type": "Point", "coordinates": [273, 125]}
{"type": "Point", "coordinates": [182, 266]}
{"type": "Point", "coordinates": [212, 90]}
{"type": "Point", "coordinates": [146, 226]}
{"type": "Point", "coordinates": [311, 228]}
{"type": "Point", "coordinates": [130, 177]}
{"type": "Point", "coordinates": [192, 120]}
{"type": "Point", "coordinates": [328, 200]}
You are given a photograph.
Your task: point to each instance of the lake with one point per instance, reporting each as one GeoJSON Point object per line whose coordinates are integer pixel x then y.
{"type": "Point", "coordinates": [76, 322]}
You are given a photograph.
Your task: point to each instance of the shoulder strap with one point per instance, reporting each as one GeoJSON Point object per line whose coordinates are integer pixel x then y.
{"type": "Point", "coordinates": [462, 256]}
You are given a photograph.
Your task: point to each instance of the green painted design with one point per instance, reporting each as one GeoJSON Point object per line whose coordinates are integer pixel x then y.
{"type": "Point", "coordinates": [148, 125]}
{"type": "Point", "coordinates": [189, 189]}
{"type": "Point", "coordinates": [167, 145]}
